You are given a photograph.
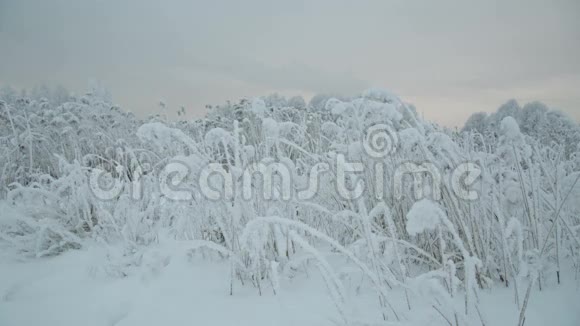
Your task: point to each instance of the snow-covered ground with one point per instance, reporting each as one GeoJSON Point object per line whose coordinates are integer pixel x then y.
{"type": "Point", "coordinates": [77, 289]}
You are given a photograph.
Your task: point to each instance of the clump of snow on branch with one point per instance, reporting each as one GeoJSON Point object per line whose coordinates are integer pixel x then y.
{"type": "Point", "coordinates": [425, 215]}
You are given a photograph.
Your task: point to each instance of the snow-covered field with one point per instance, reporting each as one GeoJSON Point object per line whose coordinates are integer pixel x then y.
{"type": "Point", "coordinates": [271, 211]}
{"type": "Point", "coordinates": [73, 290]}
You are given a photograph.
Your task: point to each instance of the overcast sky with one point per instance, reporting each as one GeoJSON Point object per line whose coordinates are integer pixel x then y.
{"type": "Point", "coordinates": [449, 58]}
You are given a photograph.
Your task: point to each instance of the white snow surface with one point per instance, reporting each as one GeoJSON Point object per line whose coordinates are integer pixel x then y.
{"type": "Point", "coordinates": [77, 288]}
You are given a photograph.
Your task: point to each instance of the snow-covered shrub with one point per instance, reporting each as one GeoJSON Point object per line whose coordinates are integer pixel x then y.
{"type": "Point", "coordinates": [522, 226]}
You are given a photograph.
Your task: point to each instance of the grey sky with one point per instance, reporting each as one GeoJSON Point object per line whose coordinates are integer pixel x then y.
{"type": "Point", "coordinates": [449, 58]}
